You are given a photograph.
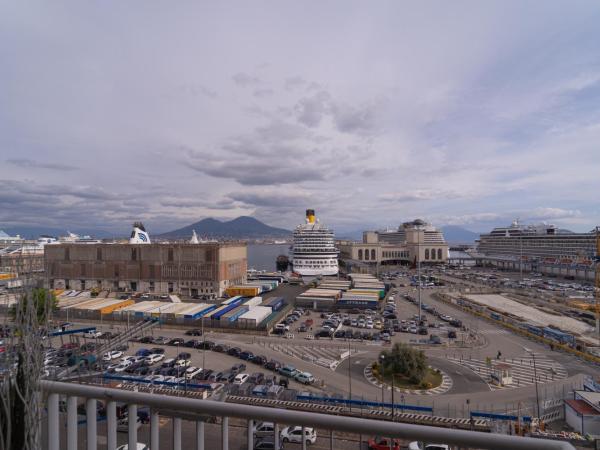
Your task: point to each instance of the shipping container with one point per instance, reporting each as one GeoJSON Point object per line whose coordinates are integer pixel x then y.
{"type": "Point", "coordinates": [116, 306]}
{"type": "Point", "coordinates": [232, 315]}
{"type": "Point", "coordinates": [254, 317]}
{"type": "Point", "coordinates": [246, 291]}
{"type": "Point", "coordinates": [223, 310]}
{"type": "Point", "coordinates": [199, 311]}
{"type": "Point", "coordinates": [275, 303]}
{"type": "Point", "coordinates": [230, 300]}
{"type": "Point", "coordinates": [254, 301]}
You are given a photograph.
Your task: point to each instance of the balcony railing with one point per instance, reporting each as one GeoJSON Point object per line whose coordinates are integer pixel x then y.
{"type": "Point", "coordinates": [180, 409]}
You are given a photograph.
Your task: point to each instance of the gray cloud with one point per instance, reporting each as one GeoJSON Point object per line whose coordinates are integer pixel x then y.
{"type": "Point", "coordinates": [244, 79]}
{"type": "Point", "coordinates": [31, 164]}
{"type": "Point", "coordinates": [262, 93]}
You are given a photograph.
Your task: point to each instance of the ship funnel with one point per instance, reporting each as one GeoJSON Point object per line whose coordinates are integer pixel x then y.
{"type": "Point", "coordinates": [310, 215]}
{"type": "Point", "coordinates": [139, 235]}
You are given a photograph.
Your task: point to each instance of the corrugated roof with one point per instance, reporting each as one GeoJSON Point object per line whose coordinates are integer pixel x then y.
{"type": "Point", "coordinates": [581, 407]}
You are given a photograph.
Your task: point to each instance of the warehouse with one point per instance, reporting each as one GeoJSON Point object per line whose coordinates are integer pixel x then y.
{"type": "Point", "coordinates": [318, 299]}
{"type": "Point", "coordinates": [190, 269]}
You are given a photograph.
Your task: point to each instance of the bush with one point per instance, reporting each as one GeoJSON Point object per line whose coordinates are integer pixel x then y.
{"type": "Point", "coordinates": [405, 361]}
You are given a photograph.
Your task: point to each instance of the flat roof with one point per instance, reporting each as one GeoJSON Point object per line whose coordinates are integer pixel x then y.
{"type": "Point", "coordinates": [582, 407]}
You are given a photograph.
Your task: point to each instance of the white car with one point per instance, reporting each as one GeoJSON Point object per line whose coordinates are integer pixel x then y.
{"type": "Point", "coordinates": [305, 378]}
{"type": "Point", "coordinates": [182, 363]}
{"type": "Point", "coordinates": [121, 367]}
{"type": "Point", "coordinates": [138, 446]}
{"type": "Point", "coordinates": [154, 358]}
{"type": "Point", "coordinates": [109, 356]}
{"type": "Point", "coordinates": [153, 378]}
{"type": "Point", "coordinates": [294, 434]}
{"type": "Point", "coordinates": [241, 378]}
{"type": "Point", "coordinates": [264, 429]}
{"type": "Point", "coordinates": [130, 359]}
{"type": "Point", "coordinates": [416, 446]}
{"type": "Point", "coordinates": [369, 325]}
{"type": "Point", "coordinates": [191, 372]}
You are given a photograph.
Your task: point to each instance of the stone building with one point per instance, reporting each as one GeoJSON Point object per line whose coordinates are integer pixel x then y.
{"type": "Point", "coordinates": [204, 269]}
{"type": "Point", "coordinates": [411, 242]}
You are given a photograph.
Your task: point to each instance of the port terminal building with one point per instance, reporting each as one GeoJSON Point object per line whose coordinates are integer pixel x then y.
{"type": "Point", "coordinates": [194, 269]}
{"type": "Point", "coordinates": [411, 242]}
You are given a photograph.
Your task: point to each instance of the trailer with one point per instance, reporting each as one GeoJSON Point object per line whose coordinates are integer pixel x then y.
{"type": "Point", "coordinates": [252, 318]}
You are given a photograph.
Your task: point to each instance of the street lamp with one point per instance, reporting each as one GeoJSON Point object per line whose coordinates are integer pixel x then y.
{"type": "Point", "coordinates": [537, 394]}
{"type": "Point", "coordinates": [381, 359]}
{"type": "Point", "coordinates": [419, 270]}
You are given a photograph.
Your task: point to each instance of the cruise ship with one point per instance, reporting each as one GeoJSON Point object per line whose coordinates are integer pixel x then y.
{"type": "Point", "coordinates": [544, 243]}
{"type": "Point", "coordinates": [314, 252]}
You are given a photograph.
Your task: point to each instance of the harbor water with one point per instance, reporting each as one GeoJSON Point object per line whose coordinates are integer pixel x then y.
{"type": "Point", "coordinates": [263, 256]}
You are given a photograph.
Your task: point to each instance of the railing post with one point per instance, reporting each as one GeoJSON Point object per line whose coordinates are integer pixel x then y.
{"type": "Point", "coordinates": [132, 422]}
{"type": "Point", "coordinates": [250, 434]}
{"type": "Point", "coordinates": [276, 433]}
{"type": "Point", "coordinates": [111, 425]}
{"type": "Point", "coordinates": [53, 431]}
{"type": "Point", "coordinates": [176, 433]}
{"type": "Point", "coordinates": [72, 423]}
{"type": "Point", "coordinates": [303, 437]}
{"type": "Point", "coordinates": [90, 415]}
{"type": "Point", "coordinates": [199, 435]}
{"type": "Point", "coordinates": [154, 429]}
{"type": "Point", "coordinates": [330, 439]}
{"type": "Point", "coordinates": [225, 433]}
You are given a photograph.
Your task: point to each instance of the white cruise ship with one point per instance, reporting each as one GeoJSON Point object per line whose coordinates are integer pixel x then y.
{"type": "Point", "coordinates": [314, 252]}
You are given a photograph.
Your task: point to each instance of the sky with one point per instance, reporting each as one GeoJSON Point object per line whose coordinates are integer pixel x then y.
{"type": "Point", "coordinates": [463, 113]}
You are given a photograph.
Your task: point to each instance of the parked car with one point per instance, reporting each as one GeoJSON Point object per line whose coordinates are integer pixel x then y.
{"type": "Point", "coordinates": [259, 359]}
{"type": "Point", "coordinates": [221, 348]}
{"type": "Point", "coordinates": [191, 372]}
{"type": "Point", "coordinates": [435, 339]}
{"type": "Point", "coordinates": [234, 351]}
{"type": "Point", "coordinates": [207, 345]}
{"type": "Point", "coordinates": [294, 434]}
{"type": "Point", "coordinates": [241, 378]}
{"type": "Point", "coordinates": [184, 355]}
{"type": "Point", "coordinates": [257, 378]}
{"type": "Point", "coordinates": [262, 429]}
{"type": "Point", "coordinates": [273, 365]}
{"type": "Point", "coordinates": [114, 354]}
{"type": "Point", "coordinates": [305, 378]}
{"type": "Point", "coordinates": [246, 355]}
{"type": "Point", "coordinates": [451, 334]}
{"type": "Point", "coordinates": [383, 444]}
{"type": "Point", "coordinates": [157, 350]}
{"type": "Point", "coordinates": [192, 343]}
{"type": "Point", "coordinates": [176, 341]}
{"type": "Point", "coordinates": [288, 371]}
{"type": "Point", "coordinates": [267, 443]}
{"type": "Point", "coordinates": [194, 332]}
{"type": "Point", "coordinates": [237, 368]}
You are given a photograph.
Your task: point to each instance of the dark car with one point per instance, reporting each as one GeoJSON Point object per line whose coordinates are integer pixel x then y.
{"type": "Point", "coordinates": [302, 328]}
{"type": "Point", "coordinates": [224, 376]}
{"type": "Point", "coordinates": [206, 345]}
{"type": "Point", "coordinates": [176, 341]}
{"type": "Point", "coordinates": [158, 350]}
{"type": "Point", "coordinates": [322, 333]}
{"type": "Point", "coordinates": [339, 334]}
{"type": "Point", "coordinates": [238, 368]}
{"type": "Point", "coordinates": [184, 355]}
{"type": "Point", "coordinates": [423, 330]}
{"type": "Point", "coordinates": [191, 343]}
{"type": "Point", "coordinates": [257, 378]}
{"type": "Point", "coordinates": [246, 355]}
{"type": "Point", "coordinates": [455, 323]}
{"type": "Point", "coordinates": [142, 370]}
{"type": "Point", "coordinates": [143, 352]}
{"type": "Point", "coordinates": [259, 359]}
{"type": "Point", "coordinates": [194, 332]}
{"type": "Point", "coordinates": [357, 335]}
{"type": "Point", "coordinates": [272, 365]}
{"type": "Point", "coordinates": [214, 376]}
{"type": "Point", "coordinates": [146, 340]}
{"type": "Point", "coordinates": [122, 348]}
{"type": "Point", "coordinates": [267, 443]}
{"type": "Point", "coordinates": [284, 382]}
{"type": "Point", "coordinates": [205, 374]}
{"type": "Point", "coordinates": [435, 339]}
{"type": "Point", "coordinates": [451, 334]}
{"type": "Point", "coordinates": [234, 351]}
{"type": "Point", "coordinates": [221, 348]}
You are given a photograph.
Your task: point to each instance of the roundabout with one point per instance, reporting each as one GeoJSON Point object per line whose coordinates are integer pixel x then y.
{"type": "Point", "coordinates": [445, 385]}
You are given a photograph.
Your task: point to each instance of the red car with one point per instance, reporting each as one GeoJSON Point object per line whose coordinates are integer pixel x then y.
{"type": "Point", "coordinates": [383, 444]}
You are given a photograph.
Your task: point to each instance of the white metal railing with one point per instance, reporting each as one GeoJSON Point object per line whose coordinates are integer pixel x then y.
{"type": "Point", "coordinates": [191, 409]}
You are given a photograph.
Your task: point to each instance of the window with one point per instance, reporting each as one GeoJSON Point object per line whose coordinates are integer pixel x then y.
{"type": "Point", "coordinates": [366, 254]}
{"type": "Point", "coordinates": [433, 253]}
{"type": "Point", "coordinates": [439, 253]}
{"type": "Point", "coordinates": [360, 253]}
{"type": "Point", "coordinates": [67, 254]}
{"type": "Point", "coordinates": [99, 254]}
{"type": "Point", "coordinates": [373, 254]}
{"type": "Point", "coordinates": [170, 256]}
{"type": "Point", "coordinates": [134, 254]}
{"type": "Point", "coordinates": [426, 253]}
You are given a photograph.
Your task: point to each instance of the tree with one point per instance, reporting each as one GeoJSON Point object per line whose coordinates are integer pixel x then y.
{"type": "Point", "coordinates": [404, 361]}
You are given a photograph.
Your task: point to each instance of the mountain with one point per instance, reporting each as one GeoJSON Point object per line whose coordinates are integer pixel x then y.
{"type": "Point", "coordinates": [33, 232]}
{"type": "Point", "coordinates": [243, 227]}
{"type": "Point", "coordinates": [459, 235]}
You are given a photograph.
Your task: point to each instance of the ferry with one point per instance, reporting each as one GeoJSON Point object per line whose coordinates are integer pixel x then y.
{"type": "Point", "coordinates": [313, 251]}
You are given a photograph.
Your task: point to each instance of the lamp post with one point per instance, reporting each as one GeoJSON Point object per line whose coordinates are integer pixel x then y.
{"type": "Point", "coordinates": [381, 359]}
{"type": "Point", "coordinates": [349, 377]}
{"type": "Point", "coordinates": [419, 270]}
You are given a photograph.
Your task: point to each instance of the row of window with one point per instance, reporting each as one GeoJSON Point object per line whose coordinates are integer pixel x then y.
{"type": "Point", "coordinates": [431, 255]}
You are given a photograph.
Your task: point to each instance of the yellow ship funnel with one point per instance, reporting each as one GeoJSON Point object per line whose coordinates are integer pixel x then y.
{"type": "Point", "coordinates": [310, 215]}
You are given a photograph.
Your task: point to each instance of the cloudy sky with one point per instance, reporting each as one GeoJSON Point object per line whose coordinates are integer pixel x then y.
{"type": "Point", "coordinates": [468, 113]}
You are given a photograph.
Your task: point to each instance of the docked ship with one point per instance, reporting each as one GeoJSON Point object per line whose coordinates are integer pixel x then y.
{"type": "Point", "coordinates": [543, 242]}
{"type": "Point", "coordinates": [313, 251]}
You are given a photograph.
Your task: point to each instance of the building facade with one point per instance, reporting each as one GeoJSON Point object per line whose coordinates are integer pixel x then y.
{"type": "Point", "coordinates": [205, 269]}
{"type": "Point", "coordinates": [412, 242]}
